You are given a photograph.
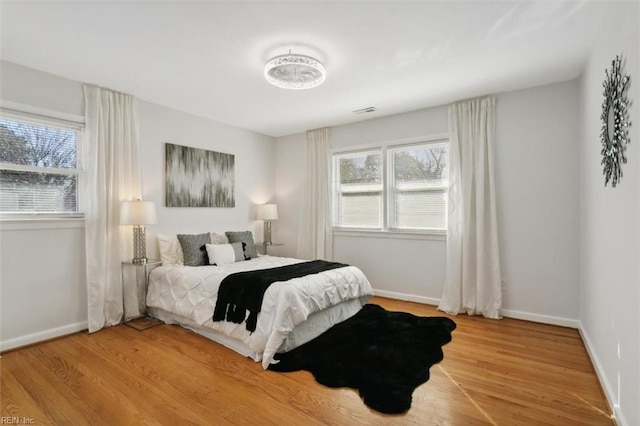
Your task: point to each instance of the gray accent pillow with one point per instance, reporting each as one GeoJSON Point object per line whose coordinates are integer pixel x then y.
{"type": "Point", "coordinates": [194, 248]}
{"type": "Point", "coordinates": [246, 237]}
{"type": "Point", "coordinates": [238, 250]}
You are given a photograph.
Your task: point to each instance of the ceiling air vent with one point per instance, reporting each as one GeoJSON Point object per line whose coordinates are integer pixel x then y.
{"type": "Point", "coordinates": [365, 110]}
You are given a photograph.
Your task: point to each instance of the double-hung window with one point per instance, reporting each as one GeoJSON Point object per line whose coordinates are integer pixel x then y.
{"type": "Point", "coordinates": [402, 188]}
{"type": "Point", "coordinates": [39, 166]}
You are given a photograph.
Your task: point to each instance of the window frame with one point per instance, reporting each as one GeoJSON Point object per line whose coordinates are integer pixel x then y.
{"type": "Point", "coordinates": [38, 116]}
{"type": "Point", "coordinates": [387, 180]}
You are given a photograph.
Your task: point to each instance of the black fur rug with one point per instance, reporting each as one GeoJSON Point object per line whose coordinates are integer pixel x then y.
{"type": "Point", "coordinates": [384, 355]}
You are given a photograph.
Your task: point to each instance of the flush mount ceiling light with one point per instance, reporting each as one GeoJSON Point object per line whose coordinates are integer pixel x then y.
{"type": "Point", "coordinates": [293, 71]}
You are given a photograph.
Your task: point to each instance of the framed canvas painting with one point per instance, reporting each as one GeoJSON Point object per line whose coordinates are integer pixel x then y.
{"type": "Point", "coordinates": [198, 177]}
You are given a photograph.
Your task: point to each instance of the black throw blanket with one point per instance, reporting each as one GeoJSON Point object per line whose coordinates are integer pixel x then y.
{"type": "Point", "coordinates": [384, 355]}
{"type": "Point", "coordinates": [244, 291]}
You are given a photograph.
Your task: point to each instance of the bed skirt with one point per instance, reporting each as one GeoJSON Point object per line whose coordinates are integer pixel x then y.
{"type": "Point", "coordinates": [316, 324]}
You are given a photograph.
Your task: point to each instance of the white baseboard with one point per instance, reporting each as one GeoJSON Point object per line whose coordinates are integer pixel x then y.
{"type": "Point", "coordinates": [544, 319]}
{"type": "Point", "coordinates": [29, 339]}
{"type": "Point", "coordinates": [527, 316]}
{"type": "Point", "coordinates": [406, 297]}
{"type": "Point", "coordinates": [609, 392]}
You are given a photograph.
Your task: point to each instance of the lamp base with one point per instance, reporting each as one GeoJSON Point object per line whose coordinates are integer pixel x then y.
{"type": "Point", "coordinates": [267, 233]}
{"type": "Point", "coordinates": [139, 245]}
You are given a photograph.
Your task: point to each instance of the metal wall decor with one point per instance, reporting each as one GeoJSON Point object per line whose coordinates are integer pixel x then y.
{"type": "Point", "coordinates": [615, 122]}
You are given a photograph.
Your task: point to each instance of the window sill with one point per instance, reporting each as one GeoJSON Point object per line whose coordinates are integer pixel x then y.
{"type": "Point", "coordinates": [40, 222]}
{"type": "Point", "coordinates": [404, 235]}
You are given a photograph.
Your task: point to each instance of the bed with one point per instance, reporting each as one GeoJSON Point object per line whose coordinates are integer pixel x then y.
{"type": "Point", "coordinates": [293, 312]}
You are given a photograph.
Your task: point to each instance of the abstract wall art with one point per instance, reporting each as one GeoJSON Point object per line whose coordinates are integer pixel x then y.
{"type": "Point", "coordinates": [198, 177]}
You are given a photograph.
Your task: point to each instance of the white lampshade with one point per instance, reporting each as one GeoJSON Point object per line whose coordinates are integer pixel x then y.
{"type": "Point", "coordinates": [267, 212]}
{"type": "Point", "coordinates": [137, 213]}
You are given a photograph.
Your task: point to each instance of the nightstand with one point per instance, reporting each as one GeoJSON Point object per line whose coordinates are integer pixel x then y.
{"type": "Point", "coordinates": [141, 322]}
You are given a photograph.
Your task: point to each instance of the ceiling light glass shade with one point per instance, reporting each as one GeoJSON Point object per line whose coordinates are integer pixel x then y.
{"type": "Point", "coordinates": [296, 72]}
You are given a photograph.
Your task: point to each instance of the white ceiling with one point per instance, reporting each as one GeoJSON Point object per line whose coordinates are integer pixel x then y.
{"type": "Point", "coordinates": [207, 58]}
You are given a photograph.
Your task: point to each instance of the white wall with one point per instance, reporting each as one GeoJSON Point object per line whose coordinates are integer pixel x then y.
{"type": "Point", "coordinates": [537, 187]}
{"type": "Point", "coordinates": [41, 90]}
{"type": "Point", "coordinates": [42, 280]}
{"type": "Point", "coordinates": [290, 163]}
{"type": "Point", "coordinates": [537, 196]}
{"type": "Point", "coordinates": [43, 286]}
{"type": "Point", "coordinates": [609, 228]}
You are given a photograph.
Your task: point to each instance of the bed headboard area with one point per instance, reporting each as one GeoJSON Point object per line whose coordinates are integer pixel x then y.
{"type": "Point", "coordinates": [167, 247]}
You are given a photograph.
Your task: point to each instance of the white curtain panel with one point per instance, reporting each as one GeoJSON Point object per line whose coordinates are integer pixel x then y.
{"type": "Point", "coordinates": [473, 283]}
{"type": "Point", "coordinates": [315, 233]}
{"type": "Point", "coordinates": [112, 164]}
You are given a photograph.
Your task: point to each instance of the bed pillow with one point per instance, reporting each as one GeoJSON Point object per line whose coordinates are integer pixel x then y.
{"type": "Point", "coordinates": [218, 238]}
{"type": "Point", "coordinates": [170, 250]}
{"type": "Point", "coordinates": [244, 237]}
{"type": "Point", "coordinates": [222, 254]}
{"type": "Point", "coordinates": [193, 248]}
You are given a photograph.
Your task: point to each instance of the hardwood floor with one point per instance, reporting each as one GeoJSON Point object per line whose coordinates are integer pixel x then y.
{"type": "Point", "coordinates": [505, 372]}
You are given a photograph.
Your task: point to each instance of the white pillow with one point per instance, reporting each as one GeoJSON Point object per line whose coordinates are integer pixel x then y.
{"type": "Point", "coordinates": [219, 238]}
{"type": "Point", "coordinates": [222, 254]}
{"type": "Point", "coordinates": [170, 250]}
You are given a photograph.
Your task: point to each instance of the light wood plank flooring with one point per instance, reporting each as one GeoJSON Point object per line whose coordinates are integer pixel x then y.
{"type": "Point", "coordinates": [505, 372]}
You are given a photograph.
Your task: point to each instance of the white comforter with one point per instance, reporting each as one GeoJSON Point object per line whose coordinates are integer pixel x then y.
{"type": "Point", "coordinates": [191, 292]}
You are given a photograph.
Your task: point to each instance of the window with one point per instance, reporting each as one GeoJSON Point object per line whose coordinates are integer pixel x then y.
{"type": "Point", "coordinates": [418, 186]}
{"type": "Point", "coordinates": [39, 167]}
{"type": "Point", "coordinates": [408, 182]}
{"type": "Point", "coordinates": [359, 188]}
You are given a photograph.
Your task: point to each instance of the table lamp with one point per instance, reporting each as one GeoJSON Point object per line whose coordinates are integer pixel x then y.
{"type": "Point", "coordinates": [267, 213]}
{"type": "Point", "coordinates": [138, 213]}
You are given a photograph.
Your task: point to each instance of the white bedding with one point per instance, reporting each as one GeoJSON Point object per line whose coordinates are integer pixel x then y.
{"type": "Point", "coordinates": [190, 293]}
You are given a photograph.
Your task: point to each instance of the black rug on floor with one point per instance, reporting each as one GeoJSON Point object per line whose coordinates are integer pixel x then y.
{"type": "Point", "coordinates": [384, 355]}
